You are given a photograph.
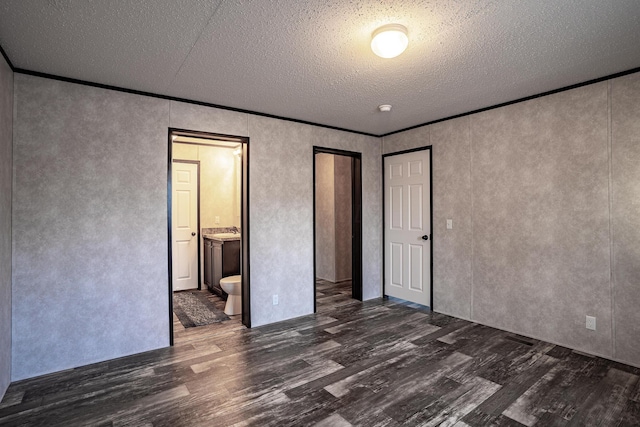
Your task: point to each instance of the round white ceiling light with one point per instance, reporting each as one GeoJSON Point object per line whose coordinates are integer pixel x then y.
{"type": "Point", "coordinates": [389, 40]}
{"type": "Point", "coordinates": [384, 108]}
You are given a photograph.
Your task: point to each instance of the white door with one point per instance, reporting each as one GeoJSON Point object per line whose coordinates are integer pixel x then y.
{"type": "Point", "coordinates": [407, 228]}
{"type": "Point", "coordinates": [184, 225]}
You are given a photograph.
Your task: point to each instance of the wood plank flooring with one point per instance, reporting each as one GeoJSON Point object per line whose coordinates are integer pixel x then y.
{"type": "Point", "coordinates": [377, 363]}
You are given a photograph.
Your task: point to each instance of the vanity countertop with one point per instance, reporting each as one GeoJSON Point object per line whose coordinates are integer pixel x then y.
{"type": "Point", "coordinates": [222, 237]}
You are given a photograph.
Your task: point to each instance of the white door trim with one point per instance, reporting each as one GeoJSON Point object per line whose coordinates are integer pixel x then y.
{"type": "Point", "coordinates": [430, 221]}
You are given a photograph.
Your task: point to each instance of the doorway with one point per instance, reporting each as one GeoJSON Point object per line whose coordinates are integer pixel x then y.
{"type": "Point", "coordinates": [337, 220]}
{"type": "Point", "coordinates": [408, 243]}
{"type": "Point", "coordinates": [222, 165]}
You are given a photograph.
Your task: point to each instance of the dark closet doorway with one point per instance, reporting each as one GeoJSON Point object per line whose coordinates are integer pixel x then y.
{"type": "Point", "coordinates": [337, 218]}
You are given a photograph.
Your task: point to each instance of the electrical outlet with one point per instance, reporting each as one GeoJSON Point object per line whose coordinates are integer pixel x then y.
{"type": "Point", "coordinates": [217, 220]}
{"type": "Point", "coordinates": [591, 323]}
{"type": "Point", "coordinates": [449, 224]}
{"type": "Point", "coordinates": [275, 300]}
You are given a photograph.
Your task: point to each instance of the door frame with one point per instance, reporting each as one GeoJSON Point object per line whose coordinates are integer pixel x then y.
{"type": "Point", "coordinates": [356, 219]}
{"type": "Point", "coordinates": [384, 244]}
{"type": "Point", "coordinates": [197, 163]}
{"type": "Point", "coordinates": [244, 220]}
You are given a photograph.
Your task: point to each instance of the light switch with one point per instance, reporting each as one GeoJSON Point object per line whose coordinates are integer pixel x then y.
{"type": "Point", "coordinates": [449, 224]}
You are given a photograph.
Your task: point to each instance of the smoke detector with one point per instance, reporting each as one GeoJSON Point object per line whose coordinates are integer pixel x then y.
{"type": "Point", "coordinates": [384, 108]}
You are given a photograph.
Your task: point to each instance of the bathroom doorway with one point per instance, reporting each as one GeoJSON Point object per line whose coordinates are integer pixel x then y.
{"type": "Point", "coordinates": [337, 219]}
{"type": "Point", "coordinates": [219, 232]}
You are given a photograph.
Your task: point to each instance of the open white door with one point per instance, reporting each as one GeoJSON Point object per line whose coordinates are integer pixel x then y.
{"type": "Point", "coordinates": [184, 225]}
{"type": "Point", "coordinates": [407, 228]}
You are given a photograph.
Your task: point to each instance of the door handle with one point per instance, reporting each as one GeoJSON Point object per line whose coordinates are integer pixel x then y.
{"type": "Point", "coordinates": [193, 233]}
{"type": "Point", "coordinates": [425, 237]}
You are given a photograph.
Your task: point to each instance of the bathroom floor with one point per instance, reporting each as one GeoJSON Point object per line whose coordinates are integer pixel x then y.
{"type": "Point", "coordinates": [180, 332]}
{"type": "Point", "coordinates": [380, 362]}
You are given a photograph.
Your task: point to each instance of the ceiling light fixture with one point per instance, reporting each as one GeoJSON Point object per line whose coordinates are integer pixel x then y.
{"type": "Point", "coordinates": [389, 40]}
{"type": "Point", "coordinates": [384, 108]}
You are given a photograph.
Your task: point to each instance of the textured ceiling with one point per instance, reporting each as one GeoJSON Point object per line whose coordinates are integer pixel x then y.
{"type": "Point", "coordinates": [310, 60]}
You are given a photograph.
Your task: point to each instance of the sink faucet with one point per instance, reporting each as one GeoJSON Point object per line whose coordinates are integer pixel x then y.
{"type": "Point", "coordinates": [235, 230]}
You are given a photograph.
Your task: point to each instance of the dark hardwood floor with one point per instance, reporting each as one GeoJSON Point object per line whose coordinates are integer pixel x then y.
{"type": "Point", "coordinates": [377, 363]}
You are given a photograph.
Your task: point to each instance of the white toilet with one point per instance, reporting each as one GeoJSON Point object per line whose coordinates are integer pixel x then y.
{"type": "Point", "coordinates": [231, 285]}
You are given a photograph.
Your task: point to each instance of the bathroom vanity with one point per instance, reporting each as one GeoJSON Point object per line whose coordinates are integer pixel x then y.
{"type": "Point", "coordinates": [221, 259]}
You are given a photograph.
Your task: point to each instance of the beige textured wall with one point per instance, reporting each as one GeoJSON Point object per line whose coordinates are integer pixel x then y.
{"type": "Point", "coordinates": [218, 191]}
{"type": "Point", "coordinates": [89, 225]}
{"type": "Point", "coordinates": [625, 215]}
{"type": "Point", "coordinates": [184, 151]}
{"type": "Point", "coordinates": [325, 218]}
{"type": "Point", "coordinates": [333, 217]}
{"type": "Point", "coordinates": [451, 186]}
{"type": "Point", "coordinates": [543, 195]}
{"type": "Point", "coordinates": [90, 219]}
{"type": "Point", "coordinates": [218, 187]}
{"type": "Point", "coordinates": [282, 214]}
{"type": "Point", "coordinates": [342, 196]}
{"type": "Point", "coordinates": [6, 169]}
